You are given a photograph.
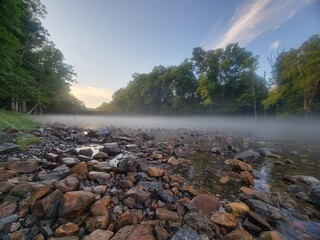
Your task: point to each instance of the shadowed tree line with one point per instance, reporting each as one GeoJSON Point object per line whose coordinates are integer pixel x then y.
{"type": "Point", "coordinates": [33, 74]}
{"type": "Point", "coordinates": [224, 81]}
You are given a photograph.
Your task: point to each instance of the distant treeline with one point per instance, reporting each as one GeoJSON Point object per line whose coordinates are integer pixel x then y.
{"type": "Point", "coordinates": [33, 74]}
{"type": "Point", "coordinates": [224, 81]}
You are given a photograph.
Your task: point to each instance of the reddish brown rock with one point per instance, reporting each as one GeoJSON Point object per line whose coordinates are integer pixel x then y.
{"type": "Point", "coordinates": [74, 203]}
{"type": "Point", "coordinates": [80, 168]}
{"type": "Point", "coordinates": [40, 191]}
{"type": "Point", "coordinates": [129, 217]}
{"type": "Point", "coordinates": [7, 209]}
{"type": "Point", "coordinates": [6, 187]}
{"type": "Point", "coordinates": [161, 233]}
{"type": "Point", "coordinates": [99, 176]}
{"type": "Point", "coordinates": [173, 161]}
{"type": "Point", "coordinates": [247, 191]}
{"type": "Point", "coordinates": [125, 184]}
{"type": "Point", "coordinates": [22, 166]}
{"type": "Point", "coordinates": [98, 222]}
{"type": "Point", "coordinates": [22, 190]}
{"type": "Point", "coordinates": [100, 207]}
{"type": "Point", "coordinates": [226, 220]}
{"type": "Point", "coordinates": [238, 234]}
{"type": "Point", "coordinates": [134, 232]}
{"type": "Point", "coordinates": [139, 195]}
{"type": "Point", "coordinates": [166, 215]}
{"type": "Point", "coordinates": [48, 206]}
{"type": "Point", "coordinates": [206, 203]}
{"type": "Point", "coordinates": [247, 178]}
{"type": "Point", "coordinates": [238, 209]}
{"type": "Point", "coordinates": [241, 166]}
{"type": "Point", "coordinates": [270, 235]}
{"type": "Point", "coordinates": [155, 172]}
{"type": "Point", "coordinates": [6, 174]}
{"type": "Point", "coordinates": [129, 202]}
{"type": "Point", "coordinates": [99, 234]}
{"type": "Point", "coordinates": [68, 184]}
{"type": "Point", "coordinates": [101, 155]}
{"type": "Point", "coordinates": [224, 179]}
{"type": "Point", "coordinates": [68, 229]}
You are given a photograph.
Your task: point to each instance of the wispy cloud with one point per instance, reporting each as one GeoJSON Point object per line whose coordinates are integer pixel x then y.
{"type": "Point", "coordinates": [275, 44]}
{"type": "Point", "coordinates": [257, 17]}
{"type": "Point", "coordinates": [92, 96]}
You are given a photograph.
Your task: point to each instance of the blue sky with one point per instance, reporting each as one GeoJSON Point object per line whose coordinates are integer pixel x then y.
{"type": "Point", "coordinates": [108, 40]}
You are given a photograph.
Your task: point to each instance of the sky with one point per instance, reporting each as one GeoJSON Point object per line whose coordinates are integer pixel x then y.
{"type": "Point", "coordinates": [106, 41]}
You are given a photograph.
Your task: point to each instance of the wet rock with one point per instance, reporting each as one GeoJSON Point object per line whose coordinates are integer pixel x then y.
{"type": "Point", "coordinates": [99, 132]}
{"type": "Point", "coordinates": [67, 184]}
{"type": "Point", "coordinates": [101, 155]}
{"type": "Point", "coordinates": [70, 161]}
{"type": "Point", "coordinates": [238, 234]}
{"type": "Point", "coordinates": [86, 152]}
{"type": "Point", "coordinates": [48, 206]}
{"type": "Point", "coordinates": [111, 149]}
{"type": "Point", "coordinates": [81, 168]}
{"type": "Point", "coordinates": [258, 220]}
{"type": "Point", "coordinates": [267, 211]}
{"type": "Point", "coordinates": [248, 156]}
{"type": "Point", "coordinates": [166, 215]}
{"type": "Point", "coordinates": [100, 207]}
{"type": "Point", "coordinates": [8, 147]}
{"type": "Point", "coordinates": [309, 180]}
{"type": "Point", "coordinates": [155, 172]}
{"type": "Point", "coordinates": [226, 220]}
{"type": "Point", "coordinates": [67, 229]}
{"type": "Point", "coordinates": [22, 166]}
{"type": "Point", "coordinates": [55, 174]}
{"type": "Point", "coordinates": [238, 209]}
{"type": "Point", "coordinates": [39, 192]}
{"type": "Point", "coordinates": [139, 195]}
{"type": "Point", "coordinates": [7, 209]}
{"type": "Point", "coordinates": [74, 203]}
{"type": "Point", "coordinates": [142, 232]}
{"type": "Point", "coordinates": [163, 196]}
{"type": "Point", "coordinates": [247, 178]}
{"type": "Point", "coordinates": [99, 234]}
{"type": "Point", "coordinates": [206, 203]}
{"type": "Point", "coordinates": [247, 191]}
{"type": "Point", "coordinates": [98, 222]}
{"type": "Point", "coordinates": [129, 217]}
{"type": "Point", "coordinates": [128, 164]}
{"type": "Point", "coordinates": [99, 176]}
{"type": "Point", "coordinates": [270, 235]}
{"type": "Point", "coordinates": [200, 223]}
{"type": "Point", "coordinates": [186, 233]}
{"type": "Point", "coordinates": [125, 184]}
{"type": "Point", "coordinates": [315, 194]}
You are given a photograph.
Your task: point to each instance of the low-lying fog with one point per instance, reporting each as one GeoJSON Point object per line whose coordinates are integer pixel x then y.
{"type": "Point", "coordinates": [297, 129]}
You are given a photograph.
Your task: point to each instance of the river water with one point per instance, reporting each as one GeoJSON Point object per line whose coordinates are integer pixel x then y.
{"type": "Point", "coordinates": [296, 139]}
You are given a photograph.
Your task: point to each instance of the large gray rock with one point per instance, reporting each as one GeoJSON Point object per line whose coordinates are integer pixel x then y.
{"type": "Point", "coordinates": [111, 149]}
{"type": "Point", "coordinates": [8, 147]}
{"type": "Point", "coordinates": [248, 156]}
{"type": "Point", "coordinates": [128, 164]}
{"type": "Point", "coordinates": [315, 194]}
{"type": "Point", "coordinates": [269, 212]}
{"type": "Point", "coordinates": [200, 223]}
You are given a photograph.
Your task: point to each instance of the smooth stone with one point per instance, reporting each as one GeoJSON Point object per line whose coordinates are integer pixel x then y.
{"type": "Point", "coordinates": [99, 176]}
{"type": "Point", "coordinates": [7, 209]}
{"type": "Point", "coordinates": [166, 215]}
{"type": "Point", "coordinates": [101, 155]}
{"type": "Point", "coordinates": [68, 184]}
{"type": "Point", "coordinates": [206, 203]}
{"type": "Point", "coordinates": [70, 161]}
{"type": "Point", "coordinates": [22, 166]}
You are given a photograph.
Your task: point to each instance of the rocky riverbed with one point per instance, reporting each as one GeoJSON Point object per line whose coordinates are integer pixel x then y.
{"type": "Point", "coordinates": [118, 183]}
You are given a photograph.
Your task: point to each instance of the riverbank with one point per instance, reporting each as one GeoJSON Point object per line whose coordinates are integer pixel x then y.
{"type": "Point", "coordinates": [124, 183]}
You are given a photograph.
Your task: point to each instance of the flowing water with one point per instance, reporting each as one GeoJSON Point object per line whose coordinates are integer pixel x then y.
{"type": "Point", "coordinates": [297, 140]}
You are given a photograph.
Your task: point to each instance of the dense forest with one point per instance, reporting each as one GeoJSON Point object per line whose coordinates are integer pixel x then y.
{"type": "Point", "coordinates": [224, 81]}
{"type": "Point", "coordinates": [33, 74]}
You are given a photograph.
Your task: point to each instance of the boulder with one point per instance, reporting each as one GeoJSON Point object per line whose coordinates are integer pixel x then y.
{"type": "Point", "coordinates": [111, 149]}
{"type": "Point", "coordinates": [128, 164]}
{"type": "Point", "coordinates": [22, 166]}
{"type": "Point", "coordinates": [248, 156]}
{"type": "Point", "coordinates": [206, 203]}
{"type": "Point", "coordinates": [267, 211]}
{"type": "Point", "coordinates": [48, 206]}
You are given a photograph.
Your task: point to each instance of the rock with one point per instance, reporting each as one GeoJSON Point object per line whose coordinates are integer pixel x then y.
{"type": "Point", "coordinates": [129, 217]}
{"type": "Point", "coordinates": [99, 176]}
{"type": "Point", "coordinates": [161, 233]}
{"type": "Point", "coordinates": [248, 156]}
{"type": "Point", "coordinates": [216, 150]}
{"type": "Point", "coordinates": [247, 191]}
{"type": "Point", "coordinates": [80, 168]}
{"type": "Point", "coordinates": [8, 147]}
{"type": "Point", "coordinates": [134, 232]}
{"type": "Point", "coordinates": [200, 223]}
{"type": "Point", "coordinates": [150, 185]}
{"type": "Point", "coordinates": [55, 174]}
{"type": "Point", "coordinates": [247, 178]}
{"type": "Point", "coordinates": [101, 155]}
{"type": "Point", "coordinates": [65, 238]}
{"type": "Point", "coordinates": [139, 195]}
{"type": "Point", "coordinates": [155, 172]}
{"type": "Point", "coordinates": [280, 163]}
{"type": "Point", "coordinates": [238, 234]}
{"type": "Point", "coordinates": [68, 184]}
{"type": "Point", "coordinates": [111, 149]}
{"type": "Point", "coordinates": [6, 174]}
{"type": "Point", "coordinates": [163, 196]}
{"type": "Point", "coordinates": [99, 234]}
{"type": "Point", "coordinates": [173, 161]}
{"type": "Point", "coordinates": [186, 233]}
{"type": "Point", "coordinates": [267, 211]}
{"type": "Point", "coordinates": [7, 209]}
{"type": "Point", "coordinates": [6, 187]}
{"type": "Point", "coordinates": [128, 164]}
{"type": "Point", "coordinates": [99, 132]}
{"type": "Point", "coordinates": [70, 161]}
{"type": "Point", "coordinates": [241, 166]}
{"type": "Point", "coordinates": [100, 207]}
{"type": "Point", "coordinates": [22, 166]}
{"type": "Point", "coordinates": [125, 184]}
{"type": "Point", "coordinates": [98, 222]}
{"type": "Point", "coordinates": [258, 220]}
{"type": "Point", "coordinates": [129, 202]}
{"type": "Point", "coordinates": [288, 161]}
{"type": "Point", "coordinates": [86, 152]}
{"type": "Point", "coordinates": [270, 235]}
{"type": "Point", "coordinates": [227, 220]}
{"type": "Point", "coordinates": [166, 215]}
{"type": "Point", "coordinates": [224, 179]}
{"type": "Point", "coordinates": [315, 195]}
{"type": "Point", "coordinates": [238, 209]}
{"type": "Point", "coordinates": [233, 148]}
{"type": "Point", "coordinates": [39, 192]}
{"type": "Point", "coordinates": [67, 229]}
{"type": "Point", "coordinates": [22, 190]}
{"type": "Point", "coordinates": [309, 180]}
{"type": "Point", "coordinates": [206, 203]}
{"type": "Point", "coordinates": [99, 189]}
{"type": "Point", "coordinates": [74, 203]}
{"type": "Point", "coordinates": [48, 206]}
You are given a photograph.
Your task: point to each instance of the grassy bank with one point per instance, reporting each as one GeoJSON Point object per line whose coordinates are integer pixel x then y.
{"type": "Point", "coordinates": [22, 123]}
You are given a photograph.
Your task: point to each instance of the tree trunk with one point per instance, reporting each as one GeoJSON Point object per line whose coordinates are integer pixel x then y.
{"type": "Point", "coordinates": [24, 107]}
{"type": "Point", "coordinates": [13, 104]}
{"type": "Point", "coordinates": [32, 109]}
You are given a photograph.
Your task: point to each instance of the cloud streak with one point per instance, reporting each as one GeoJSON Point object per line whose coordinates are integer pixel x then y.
{"type": "Point", "coordinates": [257, 17]}
{"type": "Point", "coordinates": [92, 96]}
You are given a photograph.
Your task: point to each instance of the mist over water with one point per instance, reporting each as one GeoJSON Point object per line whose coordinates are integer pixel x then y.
{"type": "Point", "coordinates": [296, 130]}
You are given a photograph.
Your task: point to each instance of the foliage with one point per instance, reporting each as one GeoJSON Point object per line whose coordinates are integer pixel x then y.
{"type": "Point", "coordinates": [25, 140]}
{"type": "Point", "coordinates": [18, 121]}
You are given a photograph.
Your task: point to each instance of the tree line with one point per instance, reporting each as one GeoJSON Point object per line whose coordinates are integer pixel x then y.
{"type": "Point", "coordinates": [33, 74]}
{"type": "Point", "coordinates": [224, 81]}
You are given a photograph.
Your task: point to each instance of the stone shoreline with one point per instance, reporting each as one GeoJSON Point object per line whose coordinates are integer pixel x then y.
{"type": "Point", "coordinates": [130, 189]}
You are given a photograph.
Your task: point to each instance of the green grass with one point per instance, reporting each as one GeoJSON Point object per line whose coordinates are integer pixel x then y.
{"type": "Point", "coordinates": [21, 122]}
